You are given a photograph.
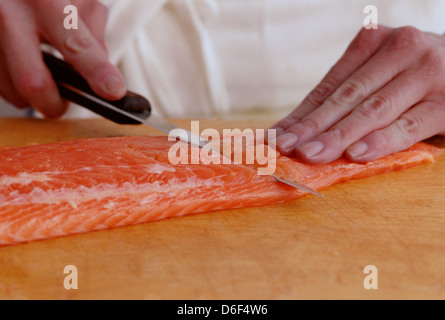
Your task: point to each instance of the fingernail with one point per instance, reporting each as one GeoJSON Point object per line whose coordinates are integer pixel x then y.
{"type": "Point", "coordinates": [287, 141]}
{"type": "Point", "coordinates": [114, 85]}
{"type": "Point", "coordinates": [312, 149]}
{"type": "Point", "coordinates": [358, 149]}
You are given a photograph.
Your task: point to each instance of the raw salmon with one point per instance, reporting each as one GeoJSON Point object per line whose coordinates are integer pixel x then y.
{"type": "Point", "coordinates": [73, 187]}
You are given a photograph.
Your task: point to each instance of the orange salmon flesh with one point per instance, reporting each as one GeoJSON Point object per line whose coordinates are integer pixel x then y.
{"type": "Point", "coordinates": [73, 187]}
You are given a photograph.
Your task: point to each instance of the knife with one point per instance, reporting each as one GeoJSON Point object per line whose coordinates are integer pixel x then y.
{"type": "Point", "coordinates": [131, 109]}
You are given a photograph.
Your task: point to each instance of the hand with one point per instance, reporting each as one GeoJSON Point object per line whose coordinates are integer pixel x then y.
{"type": "Point", "coordinates": [24, 78]}
{"type": "Point", "coordinates": [385, 94]}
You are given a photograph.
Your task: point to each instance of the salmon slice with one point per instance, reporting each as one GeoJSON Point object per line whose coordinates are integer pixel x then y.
{"type": "Point", "coordinates": [73, 187]}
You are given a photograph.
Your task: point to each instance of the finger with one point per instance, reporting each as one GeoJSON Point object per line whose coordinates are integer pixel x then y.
{"type": "Point", "coordinates": [419, 123]}
{"type": "Point", "coordinates": [373, 75]}
{"type": "Point", "coordinates": [7, 90]}
{"type": "Point", "coordinates": [362, 48]}
{"type": "Point", "coordinates": [30, 78]}
{"type": "Point", "coordinates": [81, 49]}
{"type": "Point", "coordinates": [376, 112]}
{"type": "Point", "coordinates": [95, 15]}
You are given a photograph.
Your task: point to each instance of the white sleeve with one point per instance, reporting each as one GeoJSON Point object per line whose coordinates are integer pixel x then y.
{"type": "Point", "coordinates": [165, 53]}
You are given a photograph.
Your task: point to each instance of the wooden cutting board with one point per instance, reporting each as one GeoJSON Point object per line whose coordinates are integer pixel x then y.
{"type": "Point", "coordinates": [311, 248]}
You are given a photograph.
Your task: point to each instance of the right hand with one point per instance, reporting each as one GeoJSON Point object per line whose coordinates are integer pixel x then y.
{"type": "Point", "coordinates": [24, 78]}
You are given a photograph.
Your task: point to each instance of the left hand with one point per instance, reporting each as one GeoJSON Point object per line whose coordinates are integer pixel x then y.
{"type": "Point", "coordinates": [385, 94]}
{"type": "Point", "coordinates": [24, 78]}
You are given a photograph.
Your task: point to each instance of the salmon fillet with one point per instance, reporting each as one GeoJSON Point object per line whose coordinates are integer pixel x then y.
{"type": "Point", "coordinates": [73, 187]}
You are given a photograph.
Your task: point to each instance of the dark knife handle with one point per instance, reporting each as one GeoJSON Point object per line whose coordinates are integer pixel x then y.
{"type": "Point", "coordinates": [63, 73]}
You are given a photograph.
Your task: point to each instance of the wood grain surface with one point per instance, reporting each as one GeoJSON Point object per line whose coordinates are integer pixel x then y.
{"type": "Point", "coordinates": [311, 248]}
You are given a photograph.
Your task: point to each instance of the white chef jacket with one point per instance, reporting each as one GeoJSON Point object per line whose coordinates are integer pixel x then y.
{"type": "Point", "coordinates": [219, 58]}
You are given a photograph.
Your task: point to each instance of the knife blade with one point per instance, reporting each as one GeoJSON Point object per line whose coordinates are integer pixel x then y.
{"type": "Point", "coordinates": [132, 109]}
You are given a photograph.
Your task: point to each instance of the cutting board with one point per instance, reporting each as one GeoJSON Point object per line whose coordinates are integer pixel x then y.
{"type": "Point", "coordinates": [311, 248]}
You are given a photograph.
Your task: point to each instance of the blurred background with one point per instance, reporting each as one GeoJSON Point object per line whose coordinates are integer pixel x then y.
{"type": "Point", "coordinates": [242, 59]}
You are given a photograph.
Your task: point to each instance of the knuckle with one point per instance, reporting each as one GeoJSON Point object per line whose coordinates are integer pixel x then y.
{"type": "Point", "coordinates": [351, 90]}
{"type": "Point", "coordinates": [408, 37]}
{"type": "Point", "coordinates": [320, 93]}
{"type": "Point", "coordinates": [310, 125]}
{"type": "Point", "coordinates": [408, 34]}
{"type": "Point", "coordinates": [305, 127]}
{"type": "Point", "coordinates": [411, 32]}
{"type": "Point", "coordinates": [433, 63]}
{"type": "Point", "coordinates": [409, 123]}
{"type": "Point", "coordinates": [376, 107]}
{"type": "Point", "coordinates": [30, 85]}
{"type": "Point", "coordinates": [290, 120]}
{"type": "Point", "coordinates": [340, 134]}
{"type": "Point", "coordinates": [381, 139]}
{"type": "Point", "coordinates": [76, 43]}
{"type": "Point", "coordinates": [409, 126]}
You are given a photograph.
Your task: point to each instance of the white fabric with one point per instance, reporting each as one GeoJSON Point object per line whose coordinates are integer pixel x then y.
{"type": "Point", "coordinates": [171, 58]}
{"type": "Point", "coordinates": [198, 58]}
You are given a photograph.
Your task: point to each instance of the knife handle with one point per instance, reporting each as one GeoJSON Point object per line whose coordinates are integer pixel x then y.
{"type": "Point", "coordinates": [71, 84]}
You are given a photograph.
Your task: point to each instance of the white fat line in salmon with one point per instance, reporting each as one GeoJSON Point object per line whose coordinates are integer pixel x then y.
{"type": "Point", "coordinates": [240, 147]}
{"type": "Point", "coordinates": [25, 178]}
{"type": "Point", "coordinates": [144, 193]}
